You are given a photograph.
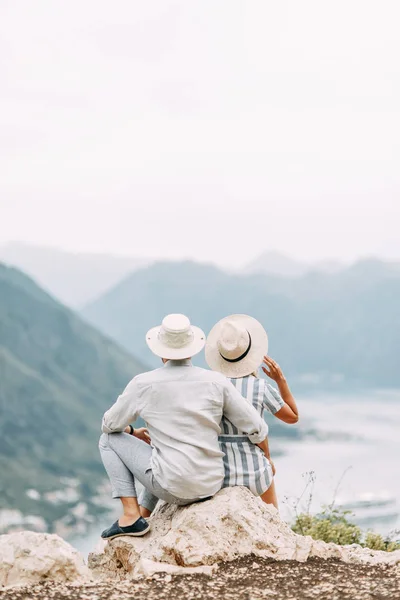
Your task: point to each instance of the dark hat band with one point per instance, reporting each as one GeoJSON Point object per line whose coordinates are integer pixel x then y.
{"type": "Point", "coordinates": [235, 360]}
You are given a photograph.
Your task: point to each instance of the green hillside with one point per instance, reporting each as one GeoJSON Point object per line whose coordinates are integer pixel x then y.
{"type": "Point", "coordinates": [326, 329]}
{"type": "Point", "coordinates": [57, 377]}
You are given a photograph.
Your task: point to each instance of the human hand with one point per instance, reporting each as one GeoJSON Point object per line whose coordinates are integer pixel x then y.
{"type": "Point", "coordinates": [274, 371]}
{"type": "Point", "coordinates": [142, 434]}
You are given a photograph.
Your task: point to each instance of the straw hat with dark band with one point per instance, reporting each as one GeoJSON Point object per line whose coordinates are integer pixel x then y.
{"type": "Point", "coordinates": [236, 346]}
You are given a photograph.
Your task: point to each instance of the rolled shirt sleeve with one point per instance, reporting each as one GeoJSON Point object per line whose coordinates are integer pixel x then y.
{"type": "Point", "coordinates": [272, 399]}
{"type": "Point", "coordinates": [124, 411]}
{"type": "Point", "coordinates": [243, 415]}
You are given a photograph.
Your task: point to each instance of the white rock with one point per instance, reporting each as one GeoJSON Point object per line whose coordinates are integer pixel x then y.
{"type": "Point", "coordinates": [147, 568]}
{"type": "Point", "coordinates": [234, 523]}
{"type": "Point", "coordinates": [28, 558]}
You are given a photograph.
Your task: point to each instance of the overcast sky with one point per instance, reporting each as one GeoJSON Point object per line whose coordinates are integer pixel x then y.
{"type": "Point", "coordinates": [212, 129]}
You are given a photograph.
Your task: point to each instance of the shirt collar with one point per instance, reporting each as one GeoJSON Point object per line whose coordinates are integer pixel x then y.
{"type": "Point", "coordinates": [186, 362]}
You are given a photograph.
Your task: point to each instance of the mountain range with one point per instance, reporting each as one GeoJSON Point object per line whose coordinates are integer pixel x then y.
{"type": "Point", "coordinates": [57, 377]}
{"type": "Point", "coordinates": [275, 263]}
{"type": "Point", "coordinates": [73, 278]}
{"type": "Point", "coordinates": [58, 373]}
{"type": "Point", "coordinates": [326, 329]}
{"type": "Point", "coordinates": [79, 278]}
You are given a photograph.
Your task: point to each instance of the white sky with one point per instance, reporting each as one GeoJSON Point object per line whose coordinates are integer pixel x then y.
{"type": "Point", "coordinates": [212, 129]}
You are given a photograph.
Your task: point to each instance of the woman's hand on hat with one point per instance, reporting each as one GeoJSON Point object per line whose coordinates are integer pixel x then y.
{"type": "Point", "coordinates": [273, 371]}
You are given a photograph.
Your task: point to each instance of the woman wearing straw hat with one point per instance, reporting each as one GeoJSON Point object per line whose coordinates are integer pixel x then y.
{"type": "Point", "coordinates": [236, 347]}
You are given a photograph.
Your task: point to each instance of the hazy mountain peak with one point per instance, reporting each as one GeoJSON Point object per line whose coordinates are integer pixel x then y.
{"type": "Point", "coordinates": [72, 277]}
{"type": "Point", "coordinates": [276, 263]}
{"type": "Point", "coordinates": [322, 323]}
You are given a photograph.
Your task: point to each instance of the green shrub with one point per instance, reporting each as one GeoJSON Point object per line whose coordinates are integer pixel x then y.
{"type": "Point", "coordinates": [334, 526]}
{"type": "Point", "coordinates": [376, 542]}
{"type": "Point", "coordinates": [329, 527]}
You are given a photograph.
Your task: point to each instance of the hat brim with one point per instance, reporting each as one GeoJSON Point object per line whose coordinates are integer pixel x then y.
{"type": "Point", "coordinates": [251, 362]}
{"type": "Point", "coordinates": [164, 351]}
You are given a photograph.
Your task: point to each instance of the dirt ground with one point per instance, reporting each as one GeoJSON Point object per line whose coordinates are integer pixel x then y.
{"type": "Point", "coordinates": [246, 578]}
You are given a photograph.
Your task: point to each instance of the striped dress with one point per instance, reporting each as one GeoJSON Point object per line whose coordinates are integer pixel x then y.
{"type": "Point", "coordinates": [245, 463]}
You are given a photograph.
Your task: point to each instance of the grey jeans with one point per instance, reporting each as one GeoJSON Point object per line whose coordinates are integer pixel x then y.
{"type": "Point", "coordinates": [125, 459]}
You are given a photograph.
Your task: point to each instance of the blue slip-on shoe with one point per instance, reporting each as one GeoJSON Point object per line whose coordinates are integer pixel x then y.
{"type": "Point", "coordinates": [139, 528]}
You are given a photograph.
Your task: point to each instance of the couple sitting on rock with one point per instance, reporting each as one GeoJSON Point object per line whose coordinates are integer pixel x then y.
{"type": "Point", "coordinates": [204, 429]}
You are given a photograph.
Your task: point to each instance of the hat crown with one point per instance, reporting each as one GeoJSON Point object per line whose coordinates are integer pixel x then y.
{"type": "Point", "coordinates": [176, 331]}
{"type": "Point", "coordinates": [233, 340]}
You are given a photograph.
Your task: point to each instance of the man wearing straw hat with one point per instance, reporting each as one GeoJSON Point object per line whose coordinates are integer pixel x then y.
{"type": "Point", "coordinates": [182, 406]}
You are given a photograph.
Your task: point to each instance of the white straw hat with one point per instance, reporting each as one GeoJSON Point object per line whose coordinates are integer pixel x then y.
{"type": "Point", "coordinates": [236, 346]}
{"type": "Point", "coordinates": [175, 338]}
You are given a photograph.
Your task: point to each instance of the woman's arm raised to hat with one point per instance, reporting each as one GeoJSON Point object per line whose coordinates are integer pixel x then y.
{"type": "Point", "coordinates": [124, 411]}
{"type": "Point", "coordinates": [289, 412]}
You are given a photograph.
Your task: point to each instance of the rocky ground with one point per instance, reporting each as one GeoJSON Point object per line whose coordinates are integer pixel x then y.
{"type": "Point", "coordinates": [248, 578]}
